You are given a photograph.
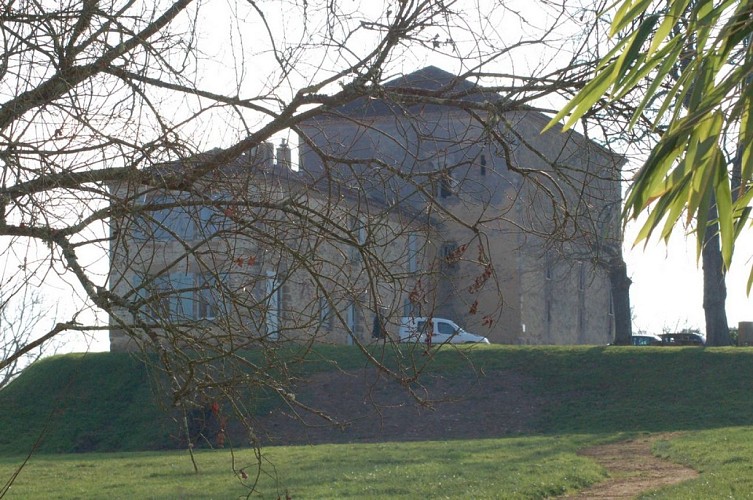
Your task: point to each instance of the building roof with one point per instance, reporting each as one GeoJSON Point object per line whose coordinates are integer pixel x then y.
{"type": "Point", "coordinates": [414, 92]}
{"type": "Point", "coordinates": [428, 82]}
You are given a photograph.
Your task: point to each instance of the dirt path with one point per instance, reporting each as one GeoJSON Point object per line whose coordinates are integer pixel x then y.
{"type": "Point", "coordinates": [633, 469]}
{"type": "Point", "coordinates": [498, 404]}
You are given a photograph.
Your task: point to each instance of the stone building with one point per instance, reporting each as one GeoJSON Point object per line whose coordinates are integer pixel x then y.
{"type": "Point", "coordinates": [457, 209]}
{"type": "Point", "coordinates": [254, 254]}
{"type": "Point", "coordinates": [522, 218]}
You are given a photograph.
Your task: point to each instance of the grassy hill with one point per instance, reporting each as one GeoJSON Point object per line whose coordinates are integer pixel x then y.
{"type": "Point", "coordinates": [106, 402]}
{"type": "Point", "coordinates": [78, 402]}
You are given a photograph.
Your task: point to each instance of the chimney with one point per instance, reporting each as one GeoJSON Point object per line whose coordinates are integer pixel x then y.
{"type": "Point", "coordinates": [265, 155]}
{"type": "Point", "coordinates": [261, 156]}
{"type": "Point", "coordinates": [284, 156]}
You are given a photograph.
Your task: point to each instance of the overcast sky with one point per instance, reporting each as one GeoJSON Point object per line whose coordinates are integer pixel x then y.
{"type": "Point", "coordinates": [667, 282]}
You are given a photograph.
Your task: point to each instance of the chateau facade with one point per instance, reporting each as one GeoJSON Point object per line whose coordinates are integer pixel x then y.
{"type": "Point", "coordinates": [396, 208]}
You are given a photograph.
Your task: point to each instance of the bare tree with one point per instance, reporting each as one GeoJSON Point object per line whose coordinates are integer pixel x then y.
{"type": "Point", "coordinates": [232, 262]}
{"type": "Point", "coordinates": [22, 315]}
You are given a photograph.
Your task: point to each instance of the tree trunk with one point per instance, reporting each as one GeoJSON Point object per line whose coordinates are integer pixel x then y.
{"type": "Point", "coordinates": [714, 288]}
{"type": "Point", "coordinates": [620, 286]}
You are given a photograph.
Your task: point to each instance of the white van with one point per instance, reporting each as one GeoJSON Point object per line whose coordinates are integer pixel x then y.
{"type": "Point", "coordinates": [443, 331]}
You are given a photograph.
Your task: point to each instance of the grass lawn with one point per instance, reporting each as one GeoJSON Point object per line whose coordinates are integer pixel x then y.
{"type": "Point", "coordinates": [599, 394]}
{"type": "Point", "coordinates": [523, 467]}
{"type": "Point", "coordinates": [722, 456]}
{"type": "Point", "coordinates": [532, 467]}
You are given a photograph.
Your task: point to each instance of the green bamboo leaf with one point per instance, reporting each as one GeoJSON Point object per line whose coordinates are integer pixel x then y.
{"type": "Point", "coordinates": [640, 70]}
{"type": "Point", "coordinates": [703, 10]}
{"type": "Point", "coordinates": [675, 98]}
{"type": "Point", "coordinates": [725, 214]}
{"type": "Point", "coordinates": [743, 202]}
{"type": "Point", "coordinates": [613, 54]}
{"type": "Point", "coordinates": [700, 187]}
{"type": "Point", "coordinates": [670, 20]}
{"type": "Point", "coordinates": [631, 55]}
{"type": "Point", "coordinates": [737, 29]}
{"type": "Point", "coordinates": [703, 23]}
{"type": "Point", "coordinates": [703, 147]}
{"type": "Point", "coordinates": [675, 206]}
{"type": "Point", "coordinates": [644, 234]}
{"type": "Point", "coordinates": [658, 199]}
{"type": "Point", "coordinates": [584, 100]}
{"type": "Point", "coordinates": [661, 213]}
{"type": "Point", "coordinates": [668, 60]}
{"type": "Point", "coordinates": [702, 223]}
{"type": "Point", "coordinates": [649, 184]}
{"type": "Point", "coordinates": [745, 143]}
{"type": "Point", "coordinates": [702, 85]}
{"type": "Point", "coordinates": [705, 163]}
{"type": "Point", "coordinates": [741, 221]}
{"type": "Point", "coordinates": [626, 14]}
{"type": "Point", "coordinates": [698, 135]}
{"type": "Point", "coordinates": [686, 170]}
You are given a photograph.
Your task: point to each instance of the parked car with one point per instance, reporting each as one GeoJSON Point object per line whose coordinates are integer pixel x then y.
{"type": "Point", "coordinates": [673, 339]}
{"type": "Point", "coordinates": [442, 331]}
{"type": "Point", "coordinates": [645, 339]}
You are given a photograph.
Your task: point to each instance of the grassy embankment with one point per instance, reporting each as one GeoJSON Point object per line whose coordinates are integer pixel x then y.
{"type": "Point", "coordinates": [104, 402]}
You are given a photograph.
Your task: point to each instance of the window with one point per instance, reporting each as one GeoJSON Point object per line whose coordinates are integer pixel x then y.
{"type": "Point", "coordinates": [325, 314]}
{"type": "Point", "coordinates": [179, 296]}
{"type": "Point", "coordinates": [412, 252]}
{"type": "Point", "coordinates": [170, 297]}
{"type": "Point", "coordinates": [211, 220]}
{"type": "Point", "coordinates": [409, 310]}
{"type": "Point", "coordinates": [172, 222]}
{"type": "Point", "coordinates": [274, 306]}
{"type": "Point", "coordinates": [445, 328]}
{"type": "Point", "coordinates": [582, 299]}
{"type": "Point", "coordinates": [446, 185]}
{"type": "Point", "coordinates": [450, 254]}
{"type": "Point", "coordinates": [482, 168]}
{"type": "Point", "coordinates": [142, 294]}
{"type": "Point", "coordinates": [158, 307]}
{"type": "Point", "coordinates": [359, 234]}
{"type": "Point", "coordinates": [351, 318]}
{"type": "Point", "coordinates": [209, 297]}
{"type": "Point", "coordinates": [184, 219]}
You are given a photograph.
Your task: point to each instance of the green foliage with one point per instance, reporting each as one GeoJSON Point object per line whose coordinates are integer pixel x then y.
{"type": "Point", "coordinates": [734, 335]}
{"type": "Point", "coordinates": [699, 54]}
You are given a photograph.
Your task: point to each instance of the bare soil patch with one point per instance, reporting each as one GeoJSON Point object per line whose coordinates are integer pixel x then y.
{"type": "Point", "coordinates": [633, 469]}
{"type": "Point", "coordinates": [365, 406]}
{"type": "Point", "coordinates": [368, 407]}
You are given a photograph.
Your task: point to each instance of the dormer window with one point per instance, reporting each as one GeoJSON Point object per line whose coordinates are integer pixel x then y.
{"type": "Point", "coordinates": [445, 187]}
